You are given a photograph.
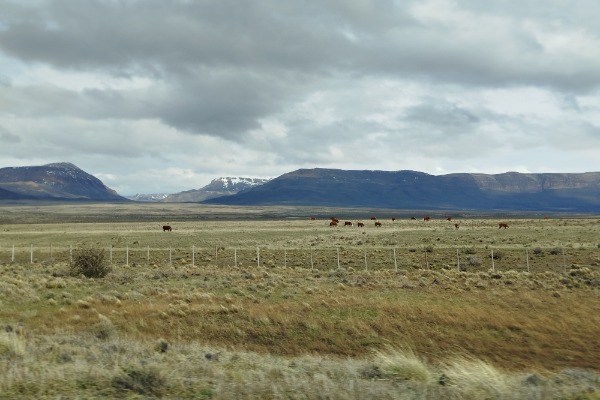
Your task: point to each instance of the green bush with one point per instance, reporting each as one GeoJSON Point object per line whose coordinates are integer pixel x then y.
{"type": "Point", "coordinates": [89, 262]}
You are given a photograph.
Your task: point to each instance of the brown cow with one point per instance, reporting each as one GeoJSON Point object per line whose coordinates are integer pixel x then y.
{"type": "Point", "coordinates": [167, 228]}
{"type": "Point", "coordinates": [312, 218]}
{"type": "Point", "coordinates": [502, 225]}
{"type": "Point", "coordinates": [449, 219]}
{"type": "Point", "coordinates": [426, 218]}
{"type": "Point", "coordinates": [378, 224]}
{"type": "Point", "coordinates": [333, 223]}
{"type": "Point", "coordinates": [456, 226]}
{"type": "Point", "coordinates": [373, 218]}
{"type": "Point", "coordinates": [348, 223]}
{"type": "Point", "coordinates": [360, 225]}
{"type": "Point", "coordinates": [335, 219]}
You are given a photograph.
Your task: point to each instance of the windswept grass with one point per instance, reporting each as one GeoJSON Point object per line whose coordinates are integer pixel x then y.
{"type": "Point", "coordinates": [426, 329]}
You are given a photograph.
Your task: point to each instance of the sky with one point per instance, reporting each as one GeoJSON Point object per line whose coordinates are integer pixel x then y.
{"type": "Point", "coordinates": [155, 96]}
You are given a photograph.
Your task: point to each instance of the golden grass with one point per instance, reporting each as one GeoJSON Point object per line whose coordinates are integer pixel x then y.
{"type": "Point", "coordinates": [215, 330]}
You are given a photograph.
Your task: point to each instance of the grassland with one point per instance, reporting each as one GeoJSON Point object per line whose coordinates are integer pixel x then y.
{"type": "Point", "coordinates": [438, 321]}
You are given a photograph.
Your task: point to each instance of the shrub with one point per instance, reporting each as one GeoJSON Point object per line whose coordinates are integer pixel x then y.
{"type": "Point", "coordinates": [89, 262]}
{"type": "Point", "coordinates": [555, 251]}
{"type": "Point", "coordinates": [144, 381]}
{"type": "Point", "coordinates": [473, 261]}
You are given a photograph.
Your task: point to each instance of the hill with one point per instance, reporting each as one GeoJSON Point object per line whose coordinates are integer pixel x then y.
{"type": "Point", "coordinates": [417, 190]}
{"type": "Point", "coordinates": [216, 188]}
{"type": "Point", "coordinates": [58, 181]}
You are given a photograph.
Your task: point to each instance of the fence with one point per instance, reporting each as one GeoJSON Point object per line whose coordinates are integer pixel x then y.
{"type": "Point", "coordinates": [557, 259]}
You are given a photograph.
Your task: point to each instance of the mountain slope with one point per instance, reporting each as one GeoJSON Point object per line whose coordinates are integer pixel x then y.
{"type": "Point", "coordinates": [418, 190]}
{"type": "Point", "coordinates": [216, 188]}
{"type": "Point", "coordinates": [58, 181]}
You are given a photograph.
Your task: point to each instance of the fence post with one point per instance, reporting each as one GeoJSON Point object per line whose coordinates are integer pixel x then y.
{"type": "Point", "coordinates": [395, 262]}
{"type": "Point", "coordinates": [13, 254]}
{"type": "Point", "coordinates": [216, 255]}
{"type": "Point", "coordinates": [31, 252]}
{"type": "Point", "coordinates": [366, 267]}
{"type": "Point", "coordinates": [493, 265]}
{"type": "Point", "coordinates": [457, 260]}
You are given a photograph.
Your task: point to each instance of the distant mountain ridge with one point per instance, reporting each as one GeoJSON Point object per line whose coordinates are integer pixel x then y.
{"type": "Point", "coordinates": [418, 190]}
{"type": "Point", "coordinates": [218, 187]}
{"type": "Point", "coordinates": [56, 181]}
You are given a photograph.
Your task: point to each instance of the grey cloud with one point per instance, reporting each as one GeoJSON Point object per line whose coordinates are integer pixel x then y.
{"type": "Point", "coordinates": [442, 117]}
{"type": "Point", "coordinates": [6, 137]}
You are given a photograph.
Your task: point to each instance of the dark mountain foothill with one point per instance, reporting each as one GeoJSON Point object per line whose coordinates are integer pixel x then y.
{"type": "Point", "coordinates": [58, 181]}
{"type": "Point", "coordinates": [564, 192]}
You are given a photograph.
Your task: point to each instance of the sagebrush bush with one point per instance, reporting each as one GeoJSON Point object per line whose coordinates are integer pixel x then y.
{"type": "Point", "coordinates": [89, 262]}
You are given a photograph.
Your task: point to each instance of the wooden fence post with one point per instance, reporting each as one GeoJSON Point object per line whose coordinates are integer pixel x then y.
{"type": "Point", "coordinates": [493, 265]}
{"type": "Point", "coordinates": [366, 267]}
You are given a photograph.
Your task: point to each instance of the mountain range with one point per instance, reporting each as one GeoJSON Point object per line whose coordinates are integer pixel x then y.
{"type": "Point", "coordinates": [510, 191]}
{"type": "Point", "coordinates": [567, 192]}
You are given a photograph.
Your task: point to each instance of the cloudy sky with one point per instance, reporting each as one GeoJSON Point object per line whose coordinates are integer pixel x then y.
{"type": "Point", "coordinates": [163, 96]}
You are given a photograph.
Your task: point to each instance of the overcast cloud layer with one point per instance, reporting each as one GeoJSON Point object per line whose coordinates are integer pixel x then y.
{"type": "Point", "coordinates": [163, 96]}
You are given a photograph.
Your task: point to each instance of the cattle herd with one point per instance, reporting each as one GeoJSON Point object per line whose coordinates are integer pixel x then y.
{"type": "Point", "coordinates": [333, 222]}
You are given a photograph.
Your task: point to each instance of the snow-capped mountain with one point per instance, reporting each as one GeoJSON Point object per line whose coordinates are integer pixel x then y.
{"type": "Point", "coordinates": [216, 188]}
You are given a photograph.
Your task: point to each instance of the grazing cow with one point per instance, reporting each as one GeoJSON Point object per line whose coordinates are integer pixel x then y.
{"type": "Point", "coordinates": [449, 219]}
{"type": "Point", "coordinates": [333, 223]}
{"type": "Point", "coordinates": [393, 219]}
{"type": "Point", "coordinates": [360, 225]}
{"type": "Point", "coordinates": [312, 218]}
{"type": "Point", "coordinates": [167, 228]}
{"type": "Point", "coordinates": [426, 218]}
{"type": "Point", "coordinates": [335, 219]}
{"type": "Point", "coordinates": [373, 218]}
{"type": "Point", "coordinates": [413, 218]}
{"type": "Point", "coordinates": [348, 223]}
{"type": "Point", "coordinates": [378, 224]}
{"type": "Point", "coordinates": [502, 225]}
{"type": "Point", "coordinates": [456, 226]}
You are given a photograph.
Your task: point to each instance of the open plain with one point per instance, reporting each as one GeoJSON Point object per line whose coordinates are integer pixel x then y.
{"type": "Point", "coordinates": [269, 303]}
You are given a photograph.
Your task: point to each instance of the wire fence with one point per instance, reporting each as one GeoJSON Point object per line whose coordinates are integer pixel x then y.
{"type": "Point", "coordinates": [556, 259]}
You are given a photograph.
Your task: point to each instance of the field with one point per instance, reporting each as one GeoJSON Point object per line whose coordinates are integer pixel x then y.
{"type": "Point", "coordinates": [266, 303]}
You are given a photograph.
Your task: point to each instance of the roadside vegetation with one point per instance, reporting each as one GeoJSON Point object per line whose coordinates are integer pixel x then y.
{"type": "Point", "coordinates": [426, 329]}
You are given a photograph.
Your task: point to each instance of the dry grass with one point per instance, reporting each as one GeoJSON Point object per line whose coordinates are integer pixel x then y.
{"type": "Point", "coordinates": [215, 330]}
